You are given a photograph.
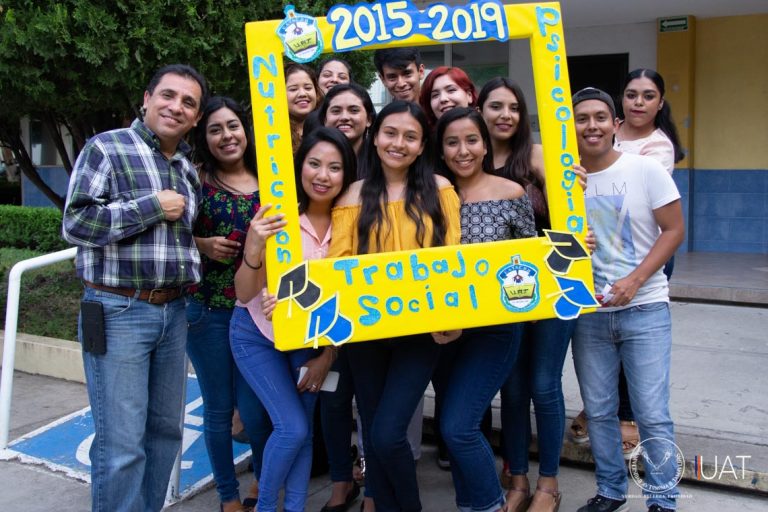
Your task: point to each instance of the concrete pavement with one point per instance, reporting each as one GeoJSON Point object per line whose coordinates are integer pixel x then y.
{"type": "Point", "coordinates": [33, 488]}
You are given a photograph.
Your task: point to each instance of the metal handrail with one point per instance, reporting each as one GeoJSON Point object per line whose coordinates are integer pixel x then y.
{"type": "Point", "coordinates": [11, 323]}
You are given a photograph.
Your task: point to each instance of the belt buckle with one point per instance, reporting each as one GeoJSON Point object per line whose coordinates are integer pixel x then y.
{"type": "Point", "coordinates": [152, 300]}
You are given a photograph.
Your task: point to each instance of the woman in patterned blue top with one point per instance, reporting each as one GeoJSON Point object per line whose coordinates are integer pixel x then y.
{"type": "Point", "coordinates": [229, 199]}
{"type": "Point", "coordinates": [493, 209]}
{"type": "Point", "coordinates": [537, 373]}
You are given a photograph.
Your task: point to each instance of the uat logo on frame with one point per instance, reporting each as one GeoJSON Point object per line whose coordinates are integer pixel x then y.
{"type": "Point", "coordinates": [519, 285]}
{"type": "Point", "coordinates": [302, 40]}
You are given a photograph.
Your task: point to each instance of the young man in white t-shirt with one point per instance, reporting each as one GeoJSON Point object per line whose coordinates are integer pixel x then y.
{"type": "Point", "coordinates": [633, 206]}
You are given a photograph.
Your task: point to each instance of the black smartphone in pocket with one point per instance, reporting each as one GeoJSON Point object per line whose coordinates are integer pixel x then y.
{"type": "Point", "coordinates": [92, 322]}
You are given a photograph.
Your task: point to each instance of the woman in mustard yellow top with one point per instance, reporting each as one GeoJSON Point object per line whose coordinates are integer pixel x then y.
{"type": "Point", "coordinates": [400, 204]}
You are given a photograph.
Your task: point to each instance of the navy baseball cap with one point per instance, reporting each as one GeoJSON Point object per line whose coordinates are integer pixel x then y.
{"type": "Point", "coordinates": [592, 93]}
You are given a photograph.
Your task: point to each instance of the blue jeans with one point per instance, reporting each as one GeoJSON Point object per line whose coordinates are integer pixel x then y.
{"type": "Point", "coordinates": [336, 417]}
{"type": "Point", "coordinates": [273, 376]}
{"type": "Point", "coordinates": [639, 337]}
{"type": "Point", "coordinates": [536, 375]}
{"type": "Point", "coordinates": [484, 360]}
{"type": "Point", "coordinates": [441, 377]}
{"type": "Point", "coordinates": [223, 388]}
{"type": "Point", "coordinates": [390, 378]}
{"type": "Point", "coordinates": [135, 391]}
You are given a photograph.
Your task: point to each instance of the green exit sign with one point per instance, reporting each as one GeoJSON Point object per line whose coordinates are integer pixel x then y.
{"type": "Point", "coordinates": [676, 24]}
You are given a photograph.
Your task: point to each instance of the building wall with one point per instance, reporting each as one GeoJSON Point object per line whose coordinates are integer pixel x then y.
{"type": "Point", "coordinates": [721, 109]}
{"type": "Point", "coordinates": [729, 181]}
{"type": "Point", "coordinates": [636, 39]}
{"type": "Point", "coordinates": [732, 93]}
{"type": "Point", "coordinates": [55, 177]}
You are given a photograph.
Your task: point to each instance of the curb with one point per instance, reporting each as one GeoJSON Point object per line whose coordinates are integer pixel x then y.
{"type": "Point", "coordinates": [687, 292]}
{"type": "Point", "coordinates": [741, 479]}
{"type": "Point", "coordinates": [732, 477]}
{"type": "Point", "coordinates": [52, 357]}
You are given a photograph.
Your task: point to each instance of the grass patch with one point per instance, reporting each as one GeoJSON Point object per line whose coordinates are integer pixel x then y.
{"type": "Point", "coordinates": [50, 296]}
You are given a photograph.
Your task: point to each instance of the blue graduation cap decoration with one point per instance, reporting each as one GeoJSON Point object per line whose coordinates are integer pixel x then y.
{"type": "Point", "coordinates": [565, 249]}
{"type": "Point", "coordinates": [295, 284]}
{"type": "Point", "coordinates": [326, 320]}
{"type": "Point", "coordinates": [573, 296]}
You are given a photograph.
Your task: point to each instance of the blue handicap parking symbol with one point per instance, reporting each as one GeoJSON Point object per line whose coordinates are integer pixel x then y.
{"type": "Point", "coordinates": [63, 445]}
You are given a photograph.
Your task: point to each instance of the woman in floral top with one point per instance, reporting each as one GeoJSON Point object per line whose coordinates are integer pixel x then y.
{"type": "Point", "coordinates": [228, 202]}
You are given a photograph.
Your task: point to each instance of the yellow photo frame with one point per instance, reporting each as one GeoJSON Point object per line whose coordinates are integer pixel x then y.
{"type": "Point", "coordinates": [375, 296]}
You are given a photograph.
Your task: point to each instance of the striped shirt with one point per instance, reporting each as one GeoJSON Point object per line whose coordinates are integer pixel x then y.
{"type": "Point", "coordinates": [114, 217]}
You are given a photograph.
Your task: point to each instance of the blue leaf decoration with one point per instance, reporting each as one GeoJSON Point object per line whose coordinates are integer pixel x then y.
{"type": "Point", "coordinates": [321, 318]}
{"type": "Point", "coordinates": [325, 320]}
{"type": "Point", "coordinates": [566, 310]}
{"type": "Point", "coordinates": [576, 292]}
{"type": "Point", "coordinates": [575, 296]}
{"type": "Point", "coordinates": [341, 331]}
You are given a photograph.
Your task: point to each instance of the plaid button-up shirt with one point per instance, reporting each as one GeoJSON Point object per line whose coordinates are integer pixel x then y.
{"type": "Point", "coordinates": [114, 217]}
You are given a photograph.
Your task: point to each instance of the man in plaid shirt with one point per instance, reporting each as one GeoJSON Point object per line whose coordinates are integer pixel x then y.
{"type": "Point", "coordinates": [130, 209]}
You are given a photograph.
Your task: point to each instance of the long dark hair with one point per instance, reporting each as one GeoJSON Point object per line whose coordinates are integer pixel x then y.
{"type": "Point", "coordinates": [455, 114]}
{"type": "Point", "coordinates": [421, 194]}
{"type": "Point", "coordinates": [297, 126]}
{"type": "Point", "coordinates": [355, 89]}
{"type": "Point", "coordinates": [327, 61]}
{"type": "Point", "coordinates": [518, 166]}
{"type": "Point", "coordinates": [348, 160]}
{"type": "Point", "coordinates": [208, 163]}
{"type": "Point", "coordinates": [663, 119]}
{"type": "Point", "coordinates": [291, 67]}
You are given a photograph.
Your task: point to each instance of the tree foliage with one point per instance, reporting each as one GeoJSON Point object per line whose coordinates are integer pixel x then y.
{"type": "Point", "coordinates": [83, 64]}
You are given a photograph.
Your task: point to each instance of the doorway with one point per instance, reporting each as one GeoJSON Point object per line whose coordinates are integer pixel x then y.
{"type": "Point", "coordinates": [606, 72]}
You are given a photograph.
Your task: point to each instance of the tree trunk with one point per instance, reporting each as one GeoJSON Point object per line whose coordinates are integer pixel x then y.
{"type": "Point", "coordinates": [58, 140]}
{"type": "Point", "coordinates": [28, 168]}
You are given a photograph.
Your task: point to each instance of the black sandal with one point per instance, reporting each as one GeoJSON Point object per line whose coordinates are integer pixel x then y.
{"type": "Point", "coordinates": [249, 504]}
{"type": "Point", "coordinates": [352, 495]}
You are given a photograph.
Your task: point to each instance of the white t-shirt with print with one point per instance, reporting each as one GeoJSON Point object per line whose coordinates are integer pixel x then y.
{"type": "Point", "coordinates": [620, 201]}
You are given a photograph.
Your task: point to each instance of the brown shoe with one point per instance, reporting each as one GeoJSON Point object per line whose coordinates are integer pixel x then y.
{"type": "Point", "coordinates": [518, 499]}
{"type": "Point", "coordinates": [578, 431]}
{"type": "Point", "coordinates": [630, 437]}
{"type": "Point", "coordinates": [231, 506]}
{"type": "Point", "coordinates": [551, 497]}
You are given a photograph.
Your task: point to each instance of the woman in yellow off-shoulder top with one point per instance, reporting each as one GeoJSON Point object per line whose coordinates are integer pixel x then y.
{"type": "Point", "coordinates": [400, 204]}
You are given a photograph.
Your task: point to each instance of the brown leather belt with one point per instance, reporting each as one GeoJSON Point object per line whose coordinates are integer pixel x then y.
{"type": "Point", "coordinates": [154, 296]}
